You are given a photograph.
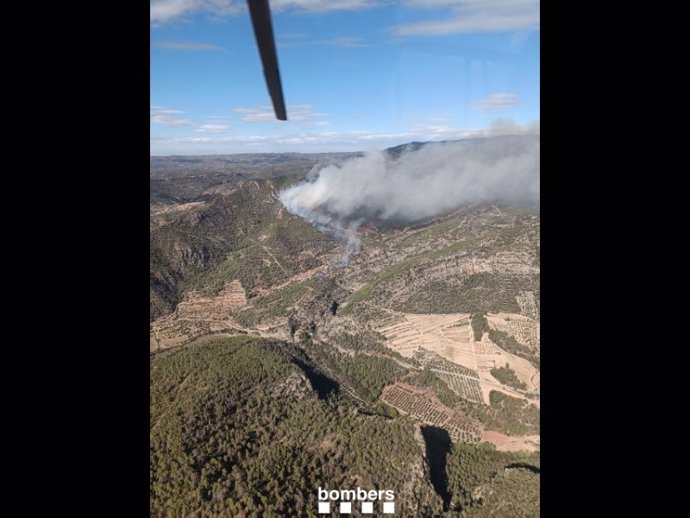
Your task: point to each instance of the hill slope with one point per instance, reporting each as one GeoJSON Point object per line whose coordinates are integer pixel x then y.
{"type": "Point", "coordinates": [274, 370]}
{"type": "Point", "coordinates": [233, 433]}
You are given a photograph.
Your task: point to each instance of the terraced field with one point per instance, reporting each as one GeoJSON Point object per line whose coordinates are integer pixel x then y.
{"type": "Point", "coordinates": [422, 406]}
{"type": "Point", "coordinates": [416, 321]}
{"type": "Point", "coordinates": [446, 335]}
{"type": "Point", "coordinates": [450, 339]}
{"type": "Point", "coordinates": [199, 315]}
{"type": "Point", "coordinates": [461, 380]}
{"type": "Point", "coordinates": [463, 386]}
{"type": "Point", "coordinates": [505, 442]}
{"type": "Point", "coordinates": [524, 329]}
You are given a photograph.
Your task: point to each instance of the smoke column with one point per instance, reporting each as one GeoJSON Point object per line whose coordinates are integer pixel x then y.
{"type": "Point", "coordinates": [422, 183]}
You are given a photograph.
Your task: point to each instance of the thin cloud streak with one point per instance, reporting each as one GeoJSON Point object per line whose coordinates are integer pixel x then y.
{"type": "Point", "coordinates": [164, 11]}
{"type": "Point", "coordinates": [473, 16]}
{"type": "Point", "coordinates": [188, 45]}
{"type": "Point", "coordinates": [345, 42]}
{"type": "Point", "coordinates": [321, 6]}
{"type": "Point", "coordinates": [168, 117]}
{"type": "Point", "coordinates": [498, 101]}
{"type": "Point", "coordinates": [323, 141]}
{"type": "Point", "coordinates": [213, 128]}
{"type": "Point", "coordinates": [299, 113]}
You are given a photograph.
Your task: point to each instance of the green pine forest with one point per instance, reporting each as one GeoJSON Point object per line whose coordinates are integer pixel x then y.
{"type": "Point", "coordinates": [249, 427]}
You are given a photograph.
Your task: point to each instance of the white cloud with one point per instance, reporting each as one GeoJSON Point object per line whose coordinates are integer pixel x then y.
{"type": "Point", "coordinates": [213, 128]}
{"type": "Point", "coordinates": [187, 45]}
{"type": "Point", "coordinates": [264, 114]}
{"type": "Point", "coordinates": [434, 3]}
{"type": "Point", "coordinates": [167, 117]}
{"type": "Point", "coordinates": [166, 10]}
{"type": "Point", "coordinates": [324, 5]}
{"type": "Point", "coordinates": [499, 101]}
{"type": "Point", "coordinates": [162, 11]}
{"type": "Point", "coordinates": [326, 141]}
{"type": "Point", "coordinates": [432, 130]}
{"type": "Point", "coordinates": [299, 141]}
{"type": "Point", "coordinates": [305, 142]}
{"type": "Point", "coordinates": [294, 41]}
{"type": "Point", "coordinates": [298, 113]}
{"type": "Point", "coordinates": [473, 16]}
{"type": "Point", "coordinates": [344, 41]}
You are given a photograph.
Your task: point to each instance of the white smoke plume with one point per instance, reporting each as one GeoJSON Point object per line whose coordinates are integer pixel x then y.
{"type": "Point", "coordinates": [420, 183]}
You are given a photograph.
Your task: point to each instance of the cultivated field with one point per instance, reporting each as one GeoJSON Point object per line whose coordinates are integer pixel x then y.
{"type": "Point", "coordinates": [524, 329]}
{"type": "Point", "coordinates": [198, 315]}
{"type": "Point", "coordinates": [446, 335]}
{"type": "Point", "coordinates": [420, 404]}
{"type": "Point", "coordinates": [505, 442]}
{"type": "Point", "coordinates": [461, 380]}
{"type": "Point", "coordinates": [447, 344]}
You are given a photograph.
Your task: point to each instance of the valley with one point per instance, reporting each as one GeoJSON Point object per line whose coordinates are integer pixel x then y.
{"type": "Point", "coordinates": [433, 323]}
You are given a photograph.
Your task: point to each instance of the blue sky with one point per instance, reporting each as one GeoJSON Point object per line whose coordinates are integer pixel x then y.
{"type": "Point", "coordinates": [356, 74]}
